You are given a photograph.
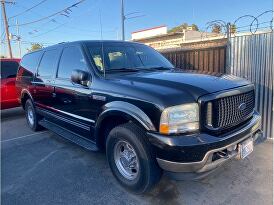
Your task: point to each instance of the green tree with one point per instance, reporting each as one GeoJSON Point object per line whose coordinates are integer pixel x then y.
{"type": "Point", "coordinates": [183, 26]}
{"type": "Point", "coordinates": [195, 27]}
{"type": "Point", "coordinates": [35, 46]}
{"type": "Point", "coordinates": [233, 28]}
{"type": "Point", "coordinates": [216, 28]}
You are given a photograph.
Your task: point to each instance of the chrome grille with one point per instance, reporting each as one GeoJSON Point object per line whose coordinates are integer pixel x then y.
{"type": "Point", "coordinates": [232, 110]}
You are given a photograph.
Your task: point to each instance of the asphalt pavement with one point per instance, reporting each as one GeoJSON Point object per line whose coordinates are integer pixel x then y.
{"type": "Point", "coordinates": [42, 168]}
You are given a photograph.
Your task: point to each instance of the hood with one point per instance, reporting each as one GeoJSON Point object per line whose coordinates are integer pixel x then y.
{"type": "Point", "coordinates": [180, 83]}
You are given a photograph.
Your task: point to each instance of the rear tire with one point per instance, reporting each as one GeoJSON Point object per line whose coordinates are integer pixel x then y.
{"type": "Point", "coordinates": [131, 158]}
{"type": "Point", "coordinates": [31, 116]}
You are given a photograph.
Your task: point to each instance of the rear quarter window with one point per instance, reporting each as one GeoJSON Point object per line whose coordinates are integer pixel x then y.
{"type": "Point", "coordinates": [29, 64]}
{"type": "Point", "coordinates": [9, 69]}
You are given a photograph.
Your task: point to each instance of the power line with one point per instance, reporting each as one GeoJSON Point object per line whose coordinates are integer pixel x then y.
{"type": "Point", "coordinates": [3, 34]}
{"type": "Point", "coordinates": [73, 28]}
{"type": "Point", "coordinates": [34, 6]}
{"type": "Point", "coordinates": [39, 14]}
{"type": "Point", "coordinates": [66, 10]}
{"type": "Point", "coordinates": [55, 28]}
{"type": "Point", "coordinates": [65, 24]}
{"type": "Point", "coordinates": [69, 27]}
{"type": "Point", "coordinates": [33, 42]}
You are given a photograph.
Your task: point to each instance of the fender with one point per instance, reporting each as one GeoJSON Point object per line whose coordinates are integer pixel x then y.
{"type": "Point", "coordinates": [128, 109]}
{"type": "Point", "coordinates": [25, 91]}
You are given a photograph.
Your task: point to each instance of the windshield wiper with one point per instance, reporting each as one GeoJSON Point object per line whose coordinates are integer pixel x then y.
{"type": "Point", "coordinates": [161, 68]}
{"type": "Point", "coordinates": [156, 68]}
{"type": "Point", "coordinates": [122, 70]}
{"type": "Point", "coordinates": [137, 69]}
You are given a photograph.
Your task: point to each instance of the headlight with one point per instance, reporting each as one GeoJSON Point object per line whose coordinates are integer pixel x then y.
{"type": "Point", "coordinates": [179, 119]}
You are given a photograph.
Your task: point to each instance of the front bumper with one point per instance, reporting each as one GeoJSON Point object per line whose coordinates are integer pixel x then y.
{"type": "Point", "coordinates": [202, 153]}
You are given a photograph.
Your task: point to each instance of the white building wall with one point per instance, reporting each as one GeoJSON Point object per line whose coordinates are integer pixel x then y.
{"type": "Point", "coordinates": [149, 33]}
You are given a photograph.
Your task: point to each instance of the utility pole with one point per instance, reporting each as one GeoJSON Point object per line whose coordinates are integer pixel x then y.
{"type": "Point", "coordinates": [18, 38]}
{"type": "Point", "coordinates": [6, 27]}
{"type": "Point", "coordinates": [126, 17]}
{"type": "Point", "coordinates": [123, 20]}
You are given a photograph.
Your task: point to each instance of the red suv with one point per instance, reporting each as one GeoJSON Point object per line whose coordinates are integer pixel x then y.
{"type": "Point", "coordinates": [9, 69]}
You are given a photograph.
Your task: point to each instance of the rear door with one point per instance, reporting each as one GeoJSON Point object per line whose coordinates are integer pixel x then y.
{"type": "Point", "coordinates": [26, 72]}
{"type": "Point", "coordinates": [8, 93]}
{"type": "Point", "coordinates": [44, 80]}
{"type": "Point", "coordinates": [73, 102]}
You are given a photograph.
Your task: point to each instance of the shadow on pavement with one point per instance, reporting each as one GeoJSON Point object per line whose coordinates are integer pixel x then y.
{"type": "Point", "coordinates": [12, 114]}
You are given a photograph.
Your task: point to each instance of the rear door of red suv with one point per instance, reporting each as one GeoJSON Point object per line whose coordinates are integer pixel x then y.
{"type": "Point", "coordinates": [9, 69]}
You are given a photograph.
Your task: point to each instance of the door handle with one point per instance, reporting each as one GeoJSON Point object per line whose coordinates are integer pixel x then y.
{"type": "Point", "coordinates": [67, 101]}
{"type": "Point", "coordinates": [54, 95]}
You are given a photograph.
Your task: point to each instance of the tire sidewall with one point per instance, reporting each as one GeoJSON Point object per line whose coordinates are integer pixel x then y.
{"type": "Point", "coordinates": [138, 184]}
{"type": "Point", "coordinates": [29, 105]}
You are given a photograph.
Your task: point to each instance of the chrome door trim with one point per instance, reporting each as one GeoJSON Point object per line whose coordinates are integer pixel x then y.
{"type": "Point", "coordinates": [66, 113]}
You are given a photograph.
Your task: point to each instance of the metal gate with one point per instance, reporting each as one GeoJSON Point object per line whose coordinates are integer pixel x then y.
{"type": "Point", "coordinates": [252, 58]}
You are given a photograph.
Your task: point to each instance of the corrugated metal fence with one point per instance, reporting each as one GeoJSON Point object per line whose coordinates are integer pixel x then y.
{"type": "Point", "coordinates": [248, 56]}
{"type": "Point", "coordinates": [252, 58]}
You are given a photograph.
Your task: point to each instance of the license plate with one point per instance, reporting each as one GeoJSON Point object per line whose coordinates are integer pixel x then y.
{"type": "Point", "coordinates": [245, 148]}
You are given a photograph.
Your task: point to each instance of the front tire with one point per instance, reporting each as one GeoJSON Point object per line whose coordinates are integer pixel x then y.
{"type": "Point", "coordinates": [31, 116]}
{"type": "Point", "coordinates": [131, 158]}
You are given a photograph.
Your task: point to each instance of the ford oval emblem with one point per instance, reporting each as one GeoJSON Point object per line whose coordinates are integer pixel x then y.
{"type": "Point", "coordinates": [242, 106]}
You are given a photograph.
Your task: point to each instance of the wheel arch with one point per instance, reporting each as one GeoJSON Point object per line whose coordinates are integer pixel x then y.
{"type": "Point", "coordinates": [116, 113]}
{"type": "Point", "coordinates": [25, 95]}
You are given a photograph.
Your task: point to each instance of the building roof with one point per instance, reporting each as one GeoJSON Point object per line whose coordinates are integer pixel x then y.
{"type": "Point", "coordinates": [159, 36]}
{"type": "Point", "coordinates": [147, 29]}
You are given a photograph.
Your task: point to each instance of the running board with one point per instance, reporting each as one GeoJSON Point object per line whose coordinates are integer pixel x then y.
{"type": "Point", "coordinates": [68, 135]}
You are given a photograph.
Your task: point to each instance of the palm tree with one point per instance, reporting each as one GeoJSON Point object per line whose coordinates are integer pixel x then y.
{"type": "Point", "coordinates": [216, 28]}
{"type": "Point", "coordinates": [233, 28]}
{"type": "Point", "coordinates": [35, 46]}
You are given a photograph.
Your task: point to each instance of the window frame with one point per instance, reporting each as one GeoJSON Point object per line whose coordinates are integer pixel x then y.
{"type": "Point", "coordinates": [60, 57]}
{"type": "Point", "coordinates": [38, 62]}
{"type": "Point", "coordinates": [55, 66]}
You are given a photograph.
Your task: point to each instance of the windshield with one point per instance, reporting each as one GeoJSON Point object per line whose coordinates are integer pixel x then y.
{"type": "Point", "coordinates": [126, 57]}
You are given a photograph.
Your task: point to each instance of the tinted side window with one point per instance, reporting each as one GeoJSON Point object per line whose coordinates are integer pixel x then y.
{"type": "Point", "coordinates": [71, 59]}
{"type": "Point", "coordinates": [48, 63]}
{"type": "Point", "coordinates": [30, 63]}
{"type": "Point", "coordinates": [96, 54]}
{"type": "Point", "coordinates": [8, 69]}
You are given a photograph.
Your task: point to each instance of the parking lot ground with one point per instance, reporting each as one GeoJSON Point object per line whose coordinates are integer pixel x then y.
{"type": "Point", "coordinates": [42, 168]}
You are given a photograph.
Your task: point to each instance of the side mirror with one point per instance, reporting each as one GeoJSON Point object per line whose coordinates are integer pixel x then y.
{"type": "Point", "coordinates": [80, 77]}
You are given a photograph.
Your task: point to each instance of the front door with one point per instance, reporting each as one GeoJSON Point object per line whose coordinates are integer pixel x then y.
{"type": "Point", "coordinates": [73, 102]}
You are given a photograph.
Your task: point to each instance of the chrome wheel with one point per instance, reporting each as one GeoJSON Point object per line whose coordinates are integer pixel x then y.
{"type": "Point", "coordinates": [30, 115]}
{"type": "Point", "coordinates": [126, 160]}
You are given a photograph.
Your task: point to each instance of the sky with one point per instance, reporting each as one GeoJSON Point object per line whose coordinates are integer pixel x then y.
{"type": "Point", "coordinates": [83, 22]}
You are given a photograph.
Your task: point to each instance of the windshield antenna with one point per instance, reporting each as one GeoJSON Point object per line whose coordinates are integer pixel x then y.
{"type": "Point", "coordinates": [102, 45]}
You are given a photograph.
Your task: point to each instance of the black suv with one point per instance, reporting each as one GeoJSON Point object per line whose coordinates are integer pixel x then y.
{"type": "Point", "coordinates": [127, 99]}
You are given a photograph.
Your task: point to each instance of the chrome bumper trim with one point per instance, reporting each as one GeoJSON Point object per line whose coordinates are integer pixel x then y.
{"type": "Point", "coordinates": [206, 164]}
